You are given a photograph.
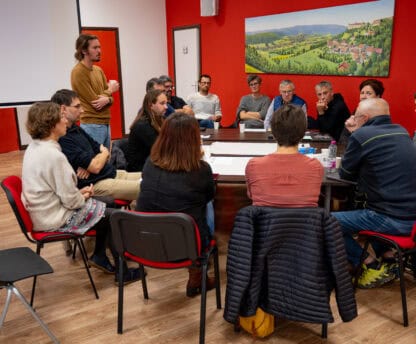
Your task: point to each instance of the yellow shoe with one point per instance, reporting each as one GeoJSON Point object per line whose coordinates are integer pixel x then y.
{"type": "Point", "coordinates": [373, 278]}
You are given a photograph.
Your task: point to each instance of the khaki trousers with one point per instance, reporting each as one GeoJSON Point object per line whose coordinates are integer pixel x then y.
{"type": "Point", "coordinates": [125, 185]}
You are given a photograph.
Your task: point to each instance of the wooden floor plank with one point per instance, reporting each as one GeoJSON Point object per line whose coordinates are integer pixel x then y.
{"type": "Point", "coordinates": [66, 303]}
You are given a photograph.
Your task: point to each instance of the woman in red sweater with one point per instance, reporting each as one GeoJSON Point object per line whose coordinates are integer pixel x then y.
{"type": "Point", "coordinates": [285, 178]}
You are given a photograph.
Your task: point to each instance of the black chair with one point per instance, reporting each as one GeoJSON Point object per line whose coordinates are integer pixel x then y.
{"type": "Point", "coordinates": [12, 186]}
{"type": "Point", "coordinates": [119, 154]}
{"type": "Point", "coordinates": [17, 264]}
{"type": "Point", "coordinates": [164, 241]}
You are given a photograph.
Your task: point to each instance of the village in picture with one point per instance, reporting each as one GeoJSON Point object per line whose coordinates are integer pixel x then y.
{"type": "Point", "coordinates": [359, 49]}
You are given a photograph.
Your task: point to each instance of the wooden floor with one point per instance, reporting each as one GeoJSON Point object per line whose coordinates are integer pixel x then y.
{"type": "Point", "coordinates": [64, 300]}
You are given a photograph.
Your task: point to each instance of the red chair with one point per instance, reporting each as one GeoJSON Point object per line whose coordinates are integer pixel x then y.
{"type": "Point", "coordinates": [405, 247]}
{"type": "Point", "coordinates": [122, 203]}
{"type": "Point", "coordinates": [12, 186]}
{"type": "Point", "coordinates": [163, 241]}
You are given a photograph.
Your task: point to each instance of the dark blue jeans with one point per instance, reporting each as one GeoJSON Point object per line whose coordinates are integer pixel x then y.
{"type": "Point", "coordinates": [364, 219]}
{"type": "Point", "coordinates": [206, 123]}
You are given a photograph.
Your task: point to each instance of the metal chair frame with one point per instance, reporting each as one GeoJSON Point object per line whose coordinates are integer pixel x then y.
{"type": "Point", "coordinates": [405, 248]}
{"type": "Point", "coordinates": [12, 186]}
{"type": "Point", "coordinates": [22, 263]}
{"type": "Point", "coordinates": [165, 241]}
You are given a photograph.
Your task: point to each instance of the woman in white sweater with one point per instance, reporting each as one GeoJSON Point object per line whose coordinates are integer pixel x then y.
{"type": "Point", "coordinates": [50, 193]}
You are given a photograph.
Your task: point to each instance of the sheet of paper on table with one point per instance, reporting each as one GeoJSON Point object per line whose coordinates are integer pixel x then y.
{"type": "Point", "coordinates": [242, 148]}
{"type": "Point", "coordinates": [228, 166]}
{"type": "Point", "coordinates": [255, 130]}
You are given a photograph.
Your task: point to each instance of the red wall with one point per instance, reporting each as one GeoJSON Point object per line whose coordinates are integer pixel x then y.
{"type": "Point", "coordinates": [222, 54]}
{"type": "Point", "coordinates": [8, 131]}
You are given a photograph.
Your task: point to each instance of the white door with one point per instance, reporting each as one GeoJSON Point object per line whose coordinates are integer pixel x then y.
{"type": "Point", "coordinates": [186, 60]}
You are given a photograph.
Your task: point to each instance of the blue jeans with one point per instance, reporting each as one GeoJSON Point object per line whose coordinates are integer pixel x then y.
{"type": "Point", "coordinates": [364, 219]}
{"type": "Point", "coordinates": [210, 217]}
{"type": "Point", "coordinates": [99, 132]}
{"type": "Point", "coordinates": [206, 123]}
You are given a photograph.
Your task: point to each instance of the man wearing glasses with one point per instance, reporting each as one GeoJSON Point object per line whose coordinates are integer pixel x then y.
{"type": "Point", "coordinates": [205, 105]}
{"type": "Point", "coordinates": [287, 96]}
{"type": "Point", "coordinates": [88, 158]}
{"type": "Point", "coordinates": [253, 107]}
{"type": "Point", "coordinates": [381, 158]}
{"type": "Point", "coordinates": [175, 102]}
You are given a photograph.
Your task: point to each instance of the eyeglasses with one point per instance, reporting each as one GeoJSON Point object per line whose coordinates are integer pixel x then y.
{"type": "Point", "coordinates": [78, 106]}
{"type": "Point", "coordinates": [357, 115]}
{"type": "Point", "coordinates": [170, 87]}
{"type": "Point", "coordinates": [286, 92]}
{"type": "Point", "coordinates": [205, 82]}
{"type": "Point", "coordinates": [253, 84]}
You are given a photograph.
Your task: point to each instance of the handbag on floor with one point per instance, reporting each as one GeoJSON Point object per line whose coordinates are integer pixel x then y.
{"type": "Point", "coordinates": [259, 325]}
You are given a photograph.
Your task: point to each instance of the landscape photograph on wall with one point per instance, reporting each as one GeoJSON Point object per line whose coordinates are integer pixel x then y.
{"type": "Point", "coordinates": [342, 40]}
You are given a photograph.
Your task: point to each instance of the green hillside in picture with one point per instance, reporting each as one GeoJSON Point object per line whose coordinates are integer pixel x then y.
{"type": "Point", "coordinates": [359, 49]}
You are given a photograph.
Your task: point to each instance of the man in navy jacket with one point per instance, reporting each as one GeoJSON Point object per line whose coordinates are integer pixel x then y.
{"type": "Point", "coordinates": [89, 159]}
{"type": "Point", "coordinates": [381, 158]}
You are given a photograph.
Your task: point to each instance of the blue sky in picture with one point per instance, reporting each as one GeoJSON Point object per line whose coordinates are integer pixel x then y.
{"type": "Point", "coordinates": [340, 15]}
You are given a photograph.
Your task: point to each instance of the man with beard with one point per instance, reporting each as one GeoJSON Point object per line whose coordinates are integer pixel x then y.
{"type": "Point", "coordinates": [205, 105]}
{"type": "Point", "coordinates": [175, 102]}
{"type": "Point", "coordinates": [95, 93]}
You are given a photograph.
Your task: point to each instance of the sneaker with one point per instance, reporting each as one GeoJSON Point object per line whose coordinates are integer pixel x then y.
{"type": "Point", "coordinates": [394, 269]}
{"type": "Point", "coordinates": [103, 264]}
{"type": "Point", "coordinates": [132, 275]}
{"type": "Point", "coordinates": [373, 278]}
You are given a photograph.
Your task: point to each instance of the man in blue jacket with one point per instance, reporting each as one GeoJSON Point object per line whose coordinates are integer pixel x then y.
{"type": "Point", "coordinates": [287, 96]}
{"type": "Point", "coordinates": [381, 158]}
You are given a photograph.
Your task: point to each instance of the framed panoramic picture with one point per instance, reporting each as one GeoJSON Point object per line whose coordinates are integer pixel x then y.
{"type": "Point", "coordinates": [342, 40]}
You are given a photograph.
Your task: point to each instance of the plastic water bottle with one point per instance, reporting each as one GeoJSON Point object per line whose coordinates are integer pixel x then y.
{"type": "Point", "coordinates": [332, 156]}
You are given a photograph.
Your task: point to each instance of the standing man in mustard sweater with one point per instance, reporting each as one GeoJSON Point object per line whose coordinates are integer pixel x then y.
{"type": "Point", "coordinates": [94, 91]}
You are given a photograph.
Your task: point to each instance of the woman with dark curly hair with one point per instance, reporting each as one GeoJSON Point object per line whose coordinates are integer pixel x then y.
{"type": "Point", "coordinates": [369, 88]}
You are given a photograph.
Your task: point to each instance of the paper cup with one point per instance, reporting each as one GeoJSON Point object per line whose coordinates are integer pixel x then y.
{"type": "Point", "coordinates": [242, 127]}
{"type": "Point", "coordinates": [338, 162]}
{"type": "Point", "coordinates": [216, 125]}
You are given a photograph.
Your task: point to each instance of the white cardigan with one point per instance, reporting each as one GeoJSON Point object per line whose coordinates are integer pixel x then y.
{"type": "Point", "coordinates": [50, 192]}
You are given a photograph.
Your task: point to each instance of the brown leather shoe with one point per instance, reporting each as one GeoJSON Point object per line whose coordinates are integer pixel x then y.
{"type": "Point", "coordinates": [193, 287]}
